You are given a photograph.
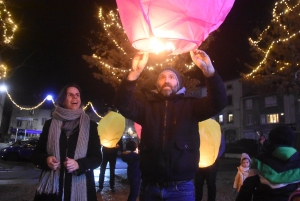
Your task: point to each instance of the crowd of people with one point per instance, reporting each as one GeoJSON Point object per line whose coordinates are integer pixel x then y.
{"type": "Point", "coordinates": [164, 166]}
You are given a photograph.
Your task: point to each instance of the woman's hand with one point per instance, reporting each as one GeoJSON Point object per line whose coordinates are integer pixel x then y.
{"type": "Point", "coordinates": [202, 60]}
{"type": "Point", "coordinates": [71, 165]}
{"type": "Point", "coordinates": [53, 163]}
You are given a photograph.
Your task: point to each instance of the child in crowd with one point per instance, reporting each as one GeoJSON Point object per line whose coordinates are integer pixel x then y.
{"type": "Point", "coordinates": [132, 158]}
{"type": "Point", "coordinates": [242, 173]}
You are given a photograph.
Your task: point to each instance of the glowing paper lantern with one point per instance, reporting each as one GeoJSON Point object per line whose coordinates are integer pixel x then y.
{"type": "Point", "coordinates": [176, 25]}
{"type": "Point", "coordinates": [210, 140]}
{"type": "Point", "coordinates": [138, 129]}
{"type": "Point", "coordinates": [111, 128]}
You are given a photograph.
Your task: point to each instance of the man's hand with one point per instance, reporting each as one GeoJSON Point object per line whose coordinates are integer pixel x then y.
{"type": "Point", "coordinates": [71, 165]}
{"type": "Point", "coordinates": [202, 60]}
{"type": "Point", "coordinates": [139, 62]}
{"type": "Point", "coordinates": [52, 162]}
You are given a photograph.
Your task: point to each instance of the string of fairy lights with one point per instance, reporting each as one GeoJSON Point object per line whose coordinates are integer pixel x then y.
{"type": "Point", "coordinates": [9, 28]}
{"type": "Point", "coordinates": [49, 98]}
{"type": "Point", "coordinates": [276, 19]}
{"type": "Point", "coordinates": [113, 21]}
{"type": "Point", "coordinates": [8, 25]}
{"type": "Point", "coordinates": [2, 71]}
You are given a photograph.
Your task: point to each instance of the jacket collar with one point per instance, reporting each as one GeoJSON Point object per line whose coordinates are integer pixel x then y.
{"type": "Point", "coordinates": [159, 96]}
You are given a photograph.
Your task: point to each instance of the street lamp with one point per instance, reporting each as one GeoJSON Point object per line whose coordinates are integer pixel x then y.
{"type": "Point", "coordinates": [3, 88]}
{"type": "Point", "coordinates": [49, 97]}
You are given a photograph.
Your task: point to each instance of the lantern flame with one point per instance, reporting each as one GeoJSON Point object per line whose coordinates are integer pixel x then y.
{"type": "Point", "coordinates": [157, 46]}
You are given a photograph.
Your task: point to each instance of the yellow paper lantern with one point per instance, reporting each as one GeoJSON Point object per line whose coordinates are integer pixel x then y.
{"type": "Point", "coordinates": [210, 140]}
{"type": "Point", "coordinates": [111, 128]}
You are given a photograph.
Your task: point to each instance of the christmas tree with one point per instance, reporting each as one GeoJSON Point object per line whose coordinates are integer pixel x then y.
{"type": "Point", "coordinates": [277, 47]}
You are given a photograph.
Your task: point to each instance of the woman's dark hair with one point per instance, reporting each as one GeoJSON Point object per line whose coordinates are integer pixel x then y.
{"type": "Point", "coordinates": [63, 94]}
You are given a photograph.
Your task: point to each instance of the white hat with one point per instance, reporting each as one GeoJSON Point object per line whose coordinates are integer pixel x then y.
{"type": "Point", "coordinates": [244, 155]}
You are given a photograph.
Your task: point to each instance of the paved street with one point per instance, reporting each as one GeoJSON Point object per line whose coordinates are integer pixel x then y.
{"type": "Point", "coordinates": [14, 172]}
{"type": "Point", "coordinates": [21, 177]}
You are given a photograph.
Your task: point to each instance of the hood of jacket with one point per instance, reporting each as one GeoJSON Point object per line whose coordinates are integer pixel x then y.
{"type": "Point", "coordinates": [278, 166]}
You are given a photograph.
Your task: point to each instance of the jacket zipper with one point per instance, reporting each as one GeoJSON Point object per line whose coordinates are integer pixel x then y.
{"type": "Point", "coordinates": [164, 133]}
{"type": "Point", "coordinates": [165, 125]}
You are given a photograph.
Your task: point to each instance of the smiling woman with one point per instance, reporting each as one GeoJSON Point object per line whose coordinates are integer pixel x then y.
{"type": "Point", "coordinates": [67, 151]}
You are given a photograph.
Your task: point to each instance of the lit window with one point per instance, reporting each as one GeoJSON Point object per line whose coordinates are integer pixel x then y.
{"type": "Point", "coordinates": [272, 118]}
{"type": "Point", "coordinates": [270, 101]}
{"type": "Point", "coordinates": [249, 120]}
{"type": "Point", "coordinates": [221, 119]}
{"type": "Point", "coordinates": [248, 104]}
{"type": "Point", "coordinates": [230, 117]}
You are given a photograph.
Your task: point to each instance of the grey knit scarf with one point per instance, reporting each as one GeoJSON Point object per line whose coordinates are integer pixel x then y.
{"type": "Point", "coordinates": [68, 120]}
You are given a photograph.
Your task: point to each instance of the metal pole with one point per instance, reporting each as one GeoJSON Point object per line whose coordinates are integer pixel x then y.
{"type": "Point", "coordinates": [16, 134]}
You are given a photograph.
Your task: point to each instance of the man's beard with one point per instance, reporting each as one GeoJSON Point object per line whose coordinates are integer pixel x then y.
{"type": "Point", "coordinates": [167, 92]}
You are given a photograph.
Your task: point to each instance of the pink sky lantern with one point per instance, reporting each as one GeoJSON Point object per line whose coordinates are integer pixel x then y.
{"type": "Point", "coordinates": [138, 129]}
{"type": "Point", "coordinates": [173, 25]}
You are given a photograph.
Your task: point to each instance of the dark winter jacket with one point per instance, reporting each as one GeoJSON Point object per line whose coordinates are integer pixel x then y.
{"type": "Point", "coordinates": [133, 160]}
{"type": "Point", "coordinates": [169, 147]}
{"type": "Point", "coordinates": [273, 175]}
{"type": "Point", "coordinates": [86, 165]}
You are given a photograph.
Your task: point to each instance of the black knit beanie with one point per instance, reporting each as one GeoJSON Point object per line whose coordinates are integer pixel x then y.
{"type": "Point", "coordinates": [282, 135]}
{"type": "Point", "coordinates": [175, 72]}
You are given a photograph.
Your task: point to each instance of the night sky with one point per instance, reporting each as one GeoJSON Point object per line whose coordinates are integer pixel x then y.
{"type": "Point", "coordinates": [52, 37]}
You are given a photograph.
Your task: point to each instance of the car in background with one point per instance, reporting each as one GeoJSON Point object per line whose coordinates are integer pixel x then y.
{"type": "Point", "coordinates": [21, 149]}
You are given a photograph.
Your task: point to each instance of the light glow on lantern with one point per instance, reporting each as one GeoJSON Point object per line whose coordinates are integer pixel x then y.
{"type": "Point", "coordinates": [111, 128]}
{"type": "Point", "coordinates": [170, 47]}
{"type": "Point", "coordinates": [157, 46]}
{"type": "Point", "coordinates": [109, 23]}
{"type": "Point", "coordinates": [181, 21]}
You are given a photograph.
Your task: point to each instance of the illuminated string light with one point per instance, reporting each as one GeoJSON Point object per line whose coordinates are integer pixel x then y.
{"type": "Point", "coordinates": [90, 103]}
{"type": "Point", "coordinates": [288, 36]}
{"type": "Point", "coordinates": [27, 108]}
{"type": "Point", "coordinates": [3, 88]}
{"type": "Point", "coordinates": [9, 27]}
{"type": "Point", "coordinates": [2, 71]}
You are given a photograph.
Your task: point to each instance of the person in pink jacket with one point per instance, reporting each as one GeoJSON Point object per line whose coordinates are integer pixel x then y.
{"type": "Point", "coordinates": [242, 173]}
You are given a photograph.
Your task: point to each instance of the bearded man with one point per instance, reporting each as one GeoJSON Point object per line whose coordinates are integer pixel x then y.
{"type": "Point", "coordinates": [169, 146]}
